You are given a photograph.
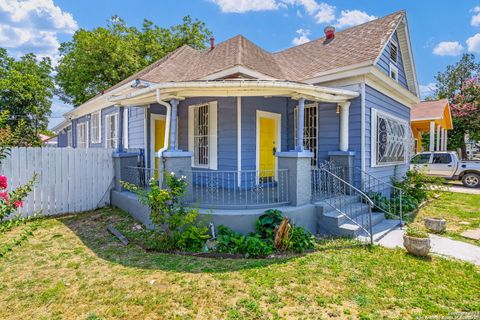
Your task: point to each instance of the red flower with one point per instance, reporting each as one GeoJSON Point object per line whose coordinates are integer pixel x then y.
{"type": "Point", "coordinates": [18, 204]}
{"type": "Point", "coordinates": [4, 196]}
{"type": "Point", "coordinates": [3, 182]}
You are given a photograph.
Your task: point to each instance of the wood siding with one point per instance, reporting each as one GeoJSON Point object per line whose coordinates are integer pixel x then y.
{"type": "Point", "coordinates": [384, 62]}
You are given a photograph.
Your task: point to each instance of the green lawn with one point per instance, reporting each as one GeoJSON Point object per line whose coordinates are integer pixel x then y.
{"type": "Point", "coordinates": [461, 210]}
{"type": "Point", "coordinates": [72, 268]}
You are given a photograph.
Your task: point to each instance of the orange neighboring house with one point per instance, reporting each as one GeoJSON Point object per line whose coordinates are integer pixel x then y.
{"type": "Point", "coordinates": [432, 117]}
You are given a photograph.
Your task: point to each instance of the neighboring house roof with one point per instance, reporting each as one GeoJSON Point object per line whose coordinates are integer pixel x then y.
{"type": "Point", "coordinates": [59, 127]}
{"type": "Point", "coordinates": [436, 110]}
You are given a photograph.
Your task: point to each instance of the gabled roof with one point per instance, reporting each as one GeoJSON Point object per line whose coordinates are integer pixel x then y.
{"type": "Point", "coordinates": [238, 57]}
{"type": "Point", "coordinates": [356, 45]}
{"type": "Point", "coordinates": [431, 111]}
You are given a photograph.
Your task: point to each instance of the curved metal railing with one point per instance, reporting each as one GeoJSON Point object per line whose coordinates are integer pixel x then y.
{"type": "Point", "coordinates": [386, 197]}
{"type": "Point", "coordinates": [336, 192]}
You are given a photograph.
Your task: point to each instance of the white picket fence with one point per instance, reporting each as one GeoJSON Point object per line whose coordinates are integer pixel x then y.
{"type": "Point", "coordinates": [69, 180]}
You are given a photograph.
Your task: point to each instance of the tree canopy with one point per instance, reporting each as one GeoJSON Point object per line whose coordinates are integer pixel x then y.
{"type": "Point", "coordinates": [95, 60]}
{"type": "Point", "coordinates": [26, 89]}
{"type": "Point", "coordinates": [459, 84]}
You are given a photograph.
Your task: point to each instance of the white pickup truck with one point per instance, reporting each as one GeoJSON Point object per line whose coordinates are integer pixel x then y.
{"type": "Point", "coordinates": [446, 164]}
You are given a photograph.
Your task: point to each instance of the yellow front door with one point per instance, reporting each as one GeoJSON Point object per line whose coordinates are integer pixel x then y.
{"type": "Point", "coordinates": [267, 141]}
{"type": "Point", "coordinates": [159, 137]}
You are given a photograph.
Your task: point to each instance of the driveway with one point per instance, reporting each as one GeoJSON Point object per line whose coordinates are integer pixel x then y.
{"type": "Point", "coordinates": [453, 187]}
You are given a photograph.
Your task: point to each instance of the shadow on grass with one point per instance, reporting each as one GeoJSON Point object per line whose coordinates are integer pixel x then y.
{"type": "Point", "coordinates": [91, 228]}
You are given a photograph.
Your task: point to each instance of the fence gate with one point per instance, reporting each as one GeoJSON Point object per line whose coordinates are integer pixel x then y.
{"type": "Point", "coordinates": [69, 180]}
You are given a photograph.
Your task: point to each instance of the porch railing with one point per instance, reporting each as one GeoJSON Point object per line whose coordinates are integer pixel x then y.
{"type": "Point", "coordinates": [239, 189]}
{"type": "Point", "coordinates": [352, 204]}
{"type": "Point", "coordinates": [386, 197]}
{"type": "Point", "coordinates": [139, 176]}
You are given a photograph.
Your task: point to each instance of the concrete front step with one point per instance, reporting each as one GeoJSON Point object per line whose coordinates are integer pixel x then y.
{"type": "Point", "coordinates": [353, 211]}
{"type": "Point", "coordinates": [380, 230]}
{"type": "Point", "coordinates": [345, 200]}
{"type": "Point", "coordinates": [351, 229]}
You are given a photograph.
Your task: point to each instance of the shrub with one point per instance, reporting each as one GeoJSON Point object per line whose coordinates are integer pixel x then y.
{"type": "Point", "coordinates": [229, 241]}
{"type": "Point", "coordinates": [267, 223]}
{"type": "Point", "coordinates": [416, 233]}
{"type": "Point", "coordinates": [11, 201]}
{"type": "Point", "coordinates": [409, 203]}
{"type": "Point", "coordinates": [419, 186]}
{"type": "Point", "coordinates": [179, 226]}
{"type": "Point", "coordinates": [300, 240]}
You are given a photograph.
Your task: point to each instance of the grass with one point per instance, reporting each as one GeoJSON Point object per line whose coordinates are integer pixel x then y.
{"type": "Point", "coordinates": [461, 210]}
{"type": "Point", "coordinates": [72, 268]}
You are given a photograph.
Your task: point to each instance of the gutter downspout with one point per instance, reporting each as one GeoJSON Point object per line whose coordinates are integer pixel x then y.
{"type": "Point", "coordinates": [167, 129]}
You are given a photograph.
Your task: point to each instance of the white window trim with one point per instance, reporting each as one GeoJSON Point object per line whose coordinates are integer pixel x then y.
{"type": "Point", "coordinates": [278, 142]}
{"type": "Point", "coordinates": [99, 140]}
{"type": "Point", "coordinates": [373, 142]}
{"type": "Point", "coordinates": [107, 128]}
{"type": "Point", "coordinates": [212, 134]}
{"type": "Point", "coordinates": [69, 132]}
{"type": "Point", "coordinates": [393, 68]}
{"type": "Point", "coordinates": [82, 124]}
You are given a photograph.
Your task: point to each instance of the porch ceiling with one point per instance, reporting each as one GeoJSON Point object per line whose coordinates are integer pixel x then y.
{"type": "Point", "coordinates": [232, 88]}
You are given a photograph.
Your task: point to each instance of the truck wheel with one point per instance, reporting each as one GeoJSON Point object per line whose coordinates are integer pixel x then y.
{"type": "Point", "coordinates": [471, 180]}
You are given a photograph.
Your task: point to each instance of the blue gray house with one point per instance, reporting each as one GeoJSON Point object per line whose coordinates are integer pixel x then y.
{"type": "Point", "coordinates": [315, 129]}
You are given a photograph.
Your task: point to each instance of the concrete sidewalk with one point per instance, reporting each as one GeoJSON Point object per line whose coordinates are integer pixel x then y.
{"type": "Point", "coordinates": [440, 245]}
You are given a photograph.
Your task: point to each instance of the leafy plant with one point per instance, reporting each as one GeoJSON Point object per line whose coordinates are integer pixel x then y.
{"type": "Point", "coordinates": [416, 233]}
{"type": "Point", "coordinates": [418, 185]}
{"type": "Point", "coordinates": [179, 226]}
{"type": "Point", "coordinates": [229, 241]}
{"type": "Point", "coordinates": [300, 240]}
{"type": "Point", "coordinates": [267, 223]}
{"type": "Point", "coordinates": [11, 201]}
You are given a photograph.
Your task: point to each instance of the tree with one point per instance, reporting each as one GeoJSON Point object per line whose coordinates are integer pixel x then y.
{"type": "Point", "coordinates": [95, 60]}
{"type": "Point", "coordinates": [459, 84]}
{"type": "Point", "coordinates": [26, 89]}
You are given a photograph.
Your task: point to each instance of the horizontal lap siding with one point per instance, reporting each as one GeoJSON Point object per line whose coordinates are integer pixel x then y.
{"type": "Point", "coordinates": [377, 100]}
{"type": "Point", "coordinates": [62, 139]}
{"type": "Point", "coordinates": [250, 105]}
{"type": "Point", "coordinates": [355, 130]}
{"type": "Point", "coordinates": [328, 130]}
{"type": "Point", "coordinates": [136, 131]}
{"type": "Point", "coordinates": [384, 62]}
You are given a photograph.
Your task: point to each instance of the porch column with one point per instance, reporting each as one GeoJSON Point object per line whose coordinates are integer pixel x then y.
{"type": "Point", "coordinates": [432, 136]}
{"type": "Point", "coordinates": [446, 139]}
{"type": "Point", "coordinates": [438, 139]}
{"type": "Point", "coordinates": [442, 139]}
{"type": "Point", "coordinates": [120, 129]}
{"type": "Point", "coordinates": [344, 125]}
{"type": "Point", "coordinates": [173, 124]}
{"type": "Point", "coordinates": [300, 124]}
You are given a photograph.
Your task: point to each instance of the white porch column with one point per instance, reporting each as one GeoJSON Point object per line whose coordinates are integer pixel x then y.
{"type": "Point", "coordinates": [438, 148]}
{"type": "Point", "coordinates": [446, 139]}
{"type": "Point", "coordinates": [344, 125]}
{"type": "Point", "coordinates": [300, 124]}
{"type": "Point", "coordinates": [432, 136]}
{"type": "Point", "coordinates": [442, 140]}
{"type": "Point", "coordinates": [173, 124]}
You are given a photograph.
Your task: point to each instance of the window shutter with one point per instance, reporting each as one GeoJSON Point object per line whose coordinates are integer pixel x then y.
{"type": "Point", "coordinates": [213, 135]}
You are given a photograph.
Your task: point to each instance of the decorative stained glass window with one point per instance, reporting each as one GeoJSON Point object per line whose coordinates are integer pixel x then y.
{"type": "Point", "coordinates": [390, 139]}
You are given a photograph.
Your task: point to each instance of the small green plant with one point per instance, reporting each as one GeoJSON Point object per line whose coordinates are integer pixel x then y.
{"type": "Point", "coordinates": [229, 241]}
{"type": "Point", "coordinates": [300, 240]}
{"type": "Point", "coordinates": [416, 233]}
{"type": "Point", "coordinates": [267, 223]}
{"type": "Point", "coordinates": [418, 185]}
{"type": "Point", "coordinates": [179, 226]}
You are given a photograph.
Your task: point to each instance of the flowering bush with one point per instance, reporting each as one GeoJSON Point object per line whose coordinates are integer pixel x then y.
{"type": "Point", "coordinates": [11, 201]}
{"type": "Point", "coordinates": [178, 225]}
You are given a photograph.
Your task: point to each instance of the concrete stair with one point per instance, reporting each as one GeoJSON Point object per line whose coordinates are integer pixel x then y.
{"type": "Point", "coordinates": [335, 222]}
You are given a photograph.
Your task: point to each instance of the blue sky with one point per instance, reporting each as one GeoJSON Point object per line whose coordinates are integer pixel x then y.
{"type": "Point", "coordinates": [440, 30]}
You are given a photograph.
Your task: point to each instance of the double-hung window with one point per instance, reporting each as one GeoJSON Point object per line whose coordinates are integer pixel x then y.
{"type": "Point", "coordinates": [82, 139]}
{"type": "Point", "coordinates": [310, 130]}
{"type": "Point", "coordinates": [390, 139]}
{"type": "Point", "coordinates": [111, 130]}
{"type": "Point", "coordinates": [202, 135]}
{"type": "Point", "coordinates": [95, 126]}
{"type": "Point", "coordinates": [69, 136]}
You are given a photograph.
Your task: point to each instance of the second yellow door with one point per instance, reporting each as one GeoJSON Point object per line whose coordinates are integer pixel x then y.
{"type": "Point", "coordinates": [159, 137]}
{"type": "Point", "coordinates": [267, 144]}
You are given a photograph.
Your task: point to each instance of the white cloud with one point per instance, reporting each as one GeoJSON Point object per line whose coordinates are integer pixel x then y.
{"type": "Point", "coordinates": [302, 37]}
{"type": "Point", "coordinates": [33, 26]}
{"type": "Point", "coordinates": [427, 89]}
{"type": "Point", "coordinates": [473, 43]}
{"type": "Point", "coordinates": [241, 6]}
{"type": "Point", "coordinates": [325, 14]}
{"type": "Point", "coordinates": [475, 21]}
{"type": "Point", "coordinates": [350, 18]}
{"type": "Point", "coordinates": [448, 48]}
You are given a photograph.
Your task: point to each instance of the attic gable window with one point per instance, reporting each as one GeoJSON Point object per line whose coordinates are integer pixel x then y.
{"type": "Point", "coordinates": [393, 52]}
{"type": "Point", "coordinates": [393, 72]}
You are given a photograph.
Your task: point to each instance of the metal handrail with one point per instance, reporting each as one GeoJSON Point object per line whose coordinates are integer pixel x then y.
{"type": "Point", "coordinates": [332, 202]}
{"type": "Point", "coordinates": [386, 185]}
